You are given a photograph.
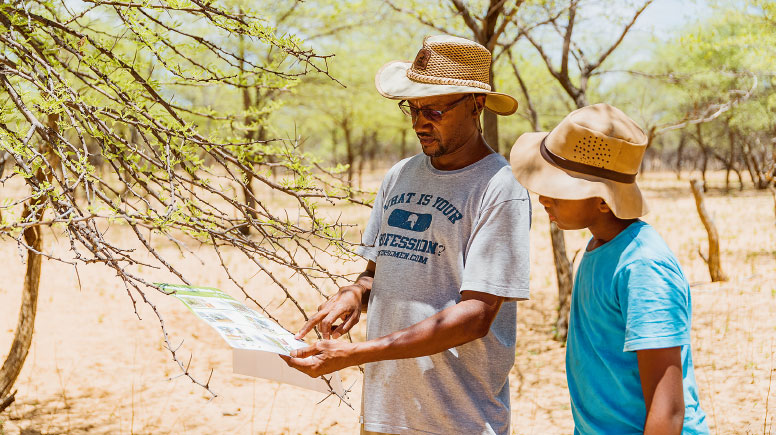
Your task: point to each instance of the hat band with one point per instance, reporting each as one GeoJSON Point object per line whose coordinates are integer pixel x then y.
{"type": "Point", "coordinates": [434, 80]}
{"type": "Point", "coordinates": [585, 169]}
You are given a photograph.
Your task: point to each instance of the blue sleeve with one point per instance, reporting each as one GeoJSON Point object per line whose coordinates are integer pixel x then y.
{"type": "Point", "coordinates": [655, 304]}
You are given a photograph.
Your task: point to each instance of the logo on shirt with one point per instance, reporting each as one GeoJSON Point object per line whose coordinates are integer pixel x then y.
{"type": "Point", "coordinates": [407, 220]}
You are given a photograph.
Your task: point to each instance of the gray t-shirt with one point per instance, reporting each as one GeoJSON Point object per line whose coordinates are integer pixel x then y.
{"type": "Point", "coordinates": [434, 234]}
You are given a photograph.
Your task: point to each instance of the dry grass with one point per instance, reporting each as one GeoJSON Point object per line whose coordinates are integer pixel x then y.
{"type": "Point", "coordinates": [95, 368]}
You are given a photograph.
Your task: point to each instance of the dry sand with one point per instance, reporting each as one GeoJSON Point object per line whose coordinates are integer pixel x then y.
{"type": "Point", "coordinates": [94, 367]}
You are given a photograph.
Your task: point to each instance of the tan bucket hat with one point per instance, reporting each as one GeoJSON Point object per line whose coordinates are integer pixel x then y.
{"type": "Point", "coordinates": [445, 65]}
{"type": "Point", "coordinates": [595, 151]}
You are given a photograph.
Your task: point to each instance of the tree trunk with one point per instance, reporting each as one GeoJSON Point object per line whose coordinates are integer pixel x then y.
{"type": "Point", "coordinates": [334, 147]}
{"type": "Point", "coordinates": [705, 151]}
{"type": "Point", "coordinates": [490, 123]}
{"type": "Point", "coordinates": [679, 155]}
{"type": "Point", "coordinates": [403, 144]}
{"type": "Point", "coordinates": [563, 273]}
{"type": "Point", "coordinates": [20, 346]}
{"type": "Point", "coordinates": [362, 151]}
{"type": "Point", "coordinates": [715, 268]}
{"type": "Point", "coordinates": [348, 148]}
{"type": "Point", "coordinates": [25, 325]}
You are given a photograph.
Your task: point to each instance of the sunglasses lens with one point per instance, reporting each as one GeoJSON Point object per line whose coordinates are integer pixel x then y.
{"type": "Point", "coordinates": [432, 115]}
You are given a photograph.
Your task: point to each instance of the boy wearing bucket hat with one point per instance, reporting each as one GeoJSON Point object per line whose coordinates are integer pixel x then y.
{"type": "Point", "coordinates": [628, 358]}
{"type": "Point", "coordinates": [447, 251]}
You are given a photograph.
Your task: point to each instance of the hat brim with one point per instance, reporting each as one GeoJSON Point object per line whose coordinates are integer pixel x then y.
{"type": "Point", "coordinates": [392, 82]}
{"type": "Point", "coordinates": [538, 175]}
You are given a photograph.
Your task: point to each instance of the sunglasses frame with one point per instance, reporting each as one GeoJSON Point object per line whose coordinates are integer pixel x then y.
{"type": "Point", "coordinates": [432, 115]}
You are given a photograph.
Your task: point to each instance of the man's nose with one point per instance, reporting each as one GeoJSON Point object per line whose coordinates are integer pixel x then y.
{"type": "Point", "coordinates": [418, 124]}
{"type": "Point", "coordinates": [543, 200]}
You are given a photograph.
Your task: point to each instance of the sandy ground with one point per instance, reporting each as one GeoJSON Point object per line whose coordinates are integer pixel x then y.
{"type": "Point", "coordinates": [95, 367]}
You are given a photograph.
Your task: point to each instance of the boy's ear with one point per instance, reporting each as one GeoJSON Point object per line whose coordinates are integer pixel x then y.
{"type": "Point", "coordinates": [603, 207]}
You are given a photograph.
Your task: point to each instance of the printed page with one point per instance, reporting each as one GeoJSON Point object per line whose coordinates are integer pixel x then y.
{"type": "Point", "coordinates": [253, 337]}
{"type": "Point", "coordinates": [240, 326]}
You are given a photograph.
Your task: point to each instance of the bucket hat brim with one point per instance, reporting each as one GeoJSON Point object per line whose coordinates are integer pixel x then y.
{"type": "Point", "coordinates": [392, 82]}
{"type": "Point", "coordinates": [538, 175]}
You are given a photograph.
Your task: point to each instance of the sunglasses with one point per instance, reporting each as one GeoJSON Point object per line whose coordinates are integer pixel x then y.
{"type": "Point", "coordinates": [432, 115]}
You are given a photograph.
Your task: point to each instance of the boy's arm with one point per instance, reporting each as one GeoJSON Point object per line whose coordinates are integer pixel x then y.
{"type": "Point", "coordinates": [661, 383]}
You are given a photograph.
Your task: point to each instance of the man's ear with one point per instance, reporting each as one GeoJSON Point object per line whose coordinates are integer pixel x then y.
{"type": "Point", "coordinates": [479, 103]}
{"type": "Point", "coordinates": [603, 207]}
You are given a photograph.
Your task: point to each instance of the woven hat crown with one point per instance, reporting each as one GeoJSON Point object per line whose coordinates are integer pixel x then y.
{"type": "Point", "coordinates": [449, 60]}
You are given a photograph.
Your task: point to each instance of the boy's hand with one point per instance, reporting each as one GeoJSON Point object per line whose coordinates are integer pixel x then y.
{"type": "Point", "coordinates": [661, 383]}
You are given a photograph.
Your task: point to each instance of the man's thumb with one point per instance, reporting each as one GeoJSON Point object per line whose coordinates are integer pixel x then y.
{"type": "Point", "coordinates": [304, 352]}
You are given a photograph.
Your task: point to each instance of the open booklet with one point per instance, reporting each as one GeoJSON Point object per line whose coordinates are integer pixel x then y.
{"type": "Point", "coordinates": [256, 340]}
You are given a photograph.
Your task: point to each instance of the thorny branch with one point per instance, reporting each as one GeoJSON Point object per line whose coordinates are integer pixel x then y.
{"type": "Point", "coordinates": [125, 152]}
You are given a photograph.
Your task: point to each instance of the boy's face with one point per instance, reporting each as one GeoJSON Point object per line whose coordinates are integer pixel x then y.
{"type": "Point", "coordinates": [574, 214]}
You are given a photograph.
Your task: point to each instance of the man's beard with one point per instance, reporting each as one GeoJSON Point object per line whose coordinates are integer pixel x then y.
{"type": "Point", "coordinates": [440, 151]}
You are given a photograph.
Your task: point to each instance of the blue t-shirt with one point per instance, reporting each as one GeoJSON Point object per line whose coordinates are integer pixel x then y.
{"type": "Point", "coordinates": [629, 294]}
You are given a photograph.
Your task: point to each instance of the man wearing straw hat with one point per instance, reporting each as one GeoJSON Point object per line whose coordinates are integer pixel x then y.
{"type": "Point", "coordinates": [447, 251]}
{"type": "Point", "coordinates": [628, 358]}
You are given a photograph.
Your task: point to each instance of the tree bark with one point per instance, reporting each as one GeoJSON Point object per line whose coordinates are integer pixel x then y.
{"type": "Point", "coordinates": [403, 144]}
{"type": "Point", "coordinates": [349, 152]}
{"type": "Point", "coordinates": [713, 261]}
{"type": "Point", "coordinates": [25, 325]}
{"type": "Point", "coordinates": [679, 154]}
{"type": "Point", "coordinates": [490, 123]}
{"type": "Point", "coordinates": [563, 273]}
{"type": "Point", "coordinates": [705, 151]}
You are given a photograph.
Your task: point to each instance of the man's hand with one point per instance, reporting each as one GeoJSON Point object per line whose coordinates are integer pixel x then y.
{"type": "Point", "coordinates": [323, 357]}
{"type": "Point", "coordinates": [461, 323]}
{"type": "Point", "coordinates": [344, 306]}
{"type": "Point", "coordinates": [661, 383]}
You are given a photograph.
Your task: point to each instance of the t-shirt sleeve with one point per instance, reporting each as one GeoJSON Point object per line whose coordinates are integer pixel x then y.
{"type": "Point", "coordinates": [497, 260]}
{"type": "Point", "coordinates": [655, 303]}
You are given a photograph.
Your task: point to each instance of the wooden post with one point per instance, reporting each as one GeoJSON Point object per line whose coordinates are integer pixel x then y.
{"type": "Point", "coordinates": [715, 268]}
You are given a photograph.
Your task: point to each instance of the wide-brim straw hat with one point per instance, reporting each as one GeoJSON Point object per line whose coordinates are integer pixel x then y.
{"type": "Point", "coordinates": [445, 65]}
{"type": "Point", "coordinates": [595, 151]}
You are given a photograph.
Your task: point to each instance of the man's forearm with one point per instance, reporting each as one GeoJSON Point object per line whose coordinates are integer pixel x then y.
{"type": "Point", "coordinates": [464, 322]}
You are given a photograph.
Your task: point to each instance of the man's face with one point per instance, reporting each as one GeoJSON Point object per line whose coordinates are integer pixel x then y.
{"type": "Point", "coordinates": [457, 125]}
{"type": "Point", "coordinates": [573, 214]}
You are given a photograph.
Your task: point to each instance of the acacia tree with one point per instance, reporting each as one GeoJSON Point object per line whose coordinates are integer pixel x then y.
{"type": "Point", "coordinates": [100, 84]}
